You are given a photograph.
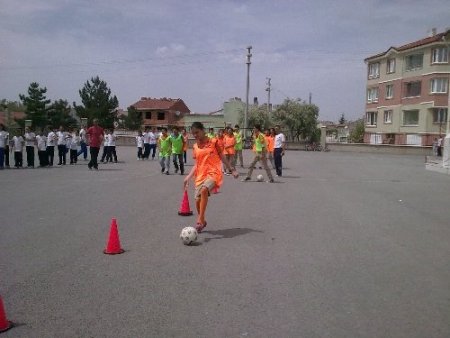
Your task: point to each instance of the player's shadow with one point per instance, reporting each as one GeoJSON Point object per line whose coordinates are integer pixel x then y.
{"type": "Point", "coordinates": [228, 233]}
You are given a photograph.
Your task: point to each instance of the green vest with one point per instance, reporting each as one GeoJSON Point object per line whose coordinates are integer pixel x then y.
{"type": "Point", "coordinates": [238, 138]}
{"type": "Point", "coordinates": [177, 144]}
{"type": "Point", "coordinates": [211, 135]}
{"type": "Point", "coordinates": [164, 146]}
{"type": "Point", "coordinates": [260, 143]}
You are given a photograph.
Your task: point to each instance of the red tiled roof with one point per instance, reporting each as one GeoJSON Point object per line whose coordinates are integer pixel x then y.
{"type": "Point", "coordinates": [13, 115]}
{"type": "Point", "coordinates": [431, 39]}
{"type": "Point", "coordinates": [152, 103]}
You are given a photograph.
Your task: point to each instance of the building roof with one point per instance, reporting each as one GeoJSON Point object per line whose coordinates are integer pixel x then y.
{"type": "Point", "coordinates": [422, 42]}
{"type": "Point", "coordinates": [13, 115]}
{"type": "Point", "coordinates": [154, 103]}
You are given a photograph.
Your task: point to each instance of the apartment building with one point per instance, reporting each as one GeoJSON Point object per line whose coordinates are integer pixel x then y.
{"type": "Point", "coordinates": [407, 97]}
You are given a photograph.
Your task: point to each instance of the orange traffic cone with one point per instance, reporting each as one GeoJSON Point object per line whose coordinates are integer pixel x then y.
{"type": "Point", "coordinates": [185, 209]}
{"type": "Point", "coordinates": [113, 246]}
{"type": "Point", "coordinates": [5, 325]}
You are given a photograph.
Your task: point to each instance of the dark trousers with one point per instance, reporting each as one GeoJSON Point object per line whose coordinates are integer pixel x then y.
{"type": "Point", "coordinates": [7, 156]}
{"type": "Point", "coordinates": [94, 155]}
{"type": "Point", "coordinates": [18, 159]}
{"type": "Point", "coordinates": [184, 156]}
{"type": "Point", "coordinates": [73, 156]}
{"type": "Point", "coordinates": [30, 156]}
{"type": "Point", "coordinates": [83, 150]}
{"type": "Point", "coordinates": [146, 151]}
{"type": "Point", "coordinates": [2, 157]}
{"type": "Point", "coordinates": [50, 154]}
{"type": "Point", "coordinates": [278, 159]}
{"type": "Point", "coordinates": [105, 154]}
{"type": "Point", "coordinates": [152, 148]}
{"type": "Point", "coordinates": [139, 153]}
{"type": "Point", "coordinates": [111, 153]}
{"type": "Point", "coordinates": [62, 151]}
{"type": "Point", "coordinates": [178, 162]}
{"type": "Point", "coordinates": [43, 158]}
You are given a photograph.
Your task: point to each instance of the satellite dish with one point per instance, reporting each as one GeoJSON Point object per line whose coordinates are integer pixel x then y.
{"type": "Point", "coordinates": [177, 113]}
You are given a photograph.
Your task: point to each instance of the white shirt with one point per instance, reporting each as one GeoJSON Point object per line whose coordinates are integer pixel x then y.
{"type": "Point", "coordinates": [75, 142]}
{"type": "Point", "coordinates": [83, 135]}
{"type": "Point", "coordinates": [51, 137]}
{"type": "Point", "coordinates": [140, 141]}
{"type": "Point", "coordinates": [17, 143]}
{"type": "Point", "coordinates": [152, 138]}
{"type": "Point", "coordinates": [279, 140]}
{"type": "Point", "coordinates": [30, 137]}
{"type": "Point", "coordinates": [146, 137]}
{"type": "Point", "coordinates": [62, 136]}
{"type": "Point", "coordinates": [111, 140]}
{"type": "Point", "coordinates": [41, 142]}
{"type": "Point", "coordinates": [3, 138]}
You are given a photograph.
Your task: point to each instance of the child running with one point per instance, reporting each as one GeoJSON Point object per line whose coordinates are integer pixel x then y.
{"type": "Point", "coordinates": [208, 157]}
{"type": "Point", "coordinates": [165, 150]}
{"type": "Point", "coordinates": [260, 154]}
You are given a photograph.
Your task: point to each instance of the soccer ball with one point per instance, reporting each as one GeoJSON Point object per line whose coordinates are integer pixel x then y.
{"type": "Point", "coordinates": [260, 178]}
{"type": "Point", "coordinates": [188, 235]}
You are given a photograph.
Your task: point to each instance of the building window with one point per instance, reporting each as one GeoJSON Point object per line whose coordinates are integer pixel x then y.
{"type": "Point", "coordinates": [439, 115]}
{"type": "Point", "coordinates": [413, 88]}
{"type": "Point", "coordinates": [390, 66]}
{"type": "Point", "coordinates": [371, 118]}
{"type": "Point", "coordinates": [439, 85]}
{"type": "Point", "coordinates": [389, 91]}
{"type": "Point", "coordinates": [148, 115]}
{"type": "Point", "coordinates": [374, 70]}
{"type": "Point", "coordinates": [413, 140]}
{"type": "Point", "coordinates": [414, 61]}
{"type": "Point", "coordinates": [439, 55]}
{"type": "Point", "coordinates": [387, 116]}
{"type": "Point", "coordinates": [410, 117]}
{"type": "Point", "coordinates": [161, 115]}
{"type": "Point", "coordinates": [372, 95]}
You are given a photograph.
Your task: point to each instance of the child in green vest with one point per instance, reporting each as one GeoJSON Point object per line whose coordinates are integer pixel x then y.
{"type": "Point", "coordinates": [177, 141]}
{"type": "Point", "coordinates": [165, 149]}
{"type": "Point", "coordinates": [260, 154]}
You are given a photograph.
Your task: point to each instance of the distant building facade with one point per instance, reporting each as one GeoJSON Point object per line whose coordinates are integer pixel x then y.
{"type": "Point", "coordinates": [407, 96]}
{"type": "Point", "coordinates": [165, 112]}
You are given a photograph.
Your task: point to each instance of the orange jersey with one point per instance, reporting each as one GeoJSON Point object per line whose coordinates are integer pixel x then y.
{"type": "Point", "coordinates": [229, 142]}
{"type": "Point", "coordinates": [209, 162]}
{"type": "Point", "coordinates": [185, 145]}
{"type": "Point", "coordinates": [270, 143]}
{"type": "Point", "coordinates": [220, 142]}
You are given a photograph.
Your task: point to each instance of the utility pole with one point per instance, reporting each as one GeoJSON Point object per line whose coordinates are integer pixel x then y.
{"type": "Point", "coordinates": [310, 98]}
{"type": "Point", "coordinates": [268, 90]}
{"type": "Point", "coordinates": [249, 55]}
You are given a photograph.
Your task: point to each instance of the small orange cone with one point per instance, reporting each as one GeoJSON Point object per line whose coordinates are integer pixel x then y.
{"type": "Point", "coordinates": [113, 245]}
{"type": "Point", "coordinates": [5, 325]}
{"type": "Point", "coordinates": [185, 209]}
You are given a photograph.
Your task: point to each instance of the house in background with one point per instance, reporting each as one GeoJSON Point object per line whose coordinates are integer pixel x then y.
{"type": "Point", "coordinates": [165, 112]}
{"type": "Point", "coordinates": [408, 92]}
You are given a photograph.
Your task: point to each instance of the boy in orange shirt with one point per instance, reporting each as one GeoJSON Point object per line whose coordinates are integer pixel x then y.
{"type": "Point", "coordinates": [269, 136]}
{"type": "Point", "coordinates": [208, 157]}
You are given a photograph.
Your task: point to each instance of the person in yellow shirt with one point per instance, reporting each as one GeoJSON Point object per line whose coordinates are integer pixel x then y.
{"type": "Point", "coordinates": [208, 158]}
{"type": "Point", "coordinates": [238, 146]}
{"type": "Point", "coordinates": [260, 154]}
{"type": "Point", "coordinates": [165, 149]}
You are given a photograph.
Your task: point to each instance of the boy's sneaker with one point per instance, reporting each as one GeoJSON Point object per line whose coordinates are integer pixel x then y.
{"type": "Point", "coordinates": [167, 172]}
{"type": "Point", "coordinates": [162, 170]}
{"type": "Point", "coordinates": [246, 179]}
{"type": "Point", "coordinates": [271, 181]}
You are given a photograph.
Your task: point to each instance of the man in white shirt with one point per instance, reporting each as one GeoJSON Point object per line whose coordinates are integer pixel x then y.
{"type": "Point", "coordinates": [153, 139]}
{"type": "Point", "coordinates": [278, 150]}
{"type": "Point", "coordinates": [146, 144]}
{"type": "Point", "coordinates": [61, 142]}
{"type": "Point", "coordinates": [51, 142]}
{"type": "Point", "coordinates": [30, 140]}
{"type": "Point", "coordinates": [83, 144]}
{"type": "Point", "coordinates": [111, 147]}
{"type": "Point", "coordinates": [41, 141]}
{"type": "Point", "coordinates": [18, 143]}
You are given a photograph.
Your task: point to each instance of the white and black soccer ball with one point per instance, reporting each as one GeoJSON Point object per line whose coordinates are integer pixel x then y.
{"type": "Point", "coordinates": [260, 178]}
{"type": "Point", "coordinates": [188, 235]}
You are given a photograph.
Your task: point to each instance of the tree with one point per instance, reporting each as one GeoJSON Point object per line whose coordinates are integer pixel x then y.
{"type": "Point", "coordinates": [12, 106]}
{"type": "Point", "coordinates": [133, 120]}
{"type": "Point", "coordinates": [97, 103]}
{"type": "Point", "coordinates": [299, 117]}
{"type": "Point", "coordinates": [35, 104]}
{"type": "Point", "coordinates": [342, 120]}
{"type": "Point", "coordinates": [59, 115]}
{"type": "Point", "coordinates": [256, 115]}
{"type": "Point", "coordinates": [357, 133]}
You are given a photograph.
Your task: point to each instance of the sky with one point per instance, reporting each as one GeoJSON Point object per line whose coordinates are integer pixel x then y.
{"type": "Point", "coordinates": [196, 50]}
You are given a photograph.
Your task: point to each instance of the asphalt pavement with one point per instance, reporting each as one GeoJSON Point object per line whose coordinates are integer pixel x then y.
{"type": "Point", "coordinates": [343, 245]}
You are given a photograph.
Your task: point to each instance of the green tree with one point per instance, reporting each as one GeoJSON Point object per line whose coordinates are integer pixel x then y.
{"type": "Point", "coordinates": [59, 115]}
{"type": "Point", "coordinates": [35, 104]}
{"type": "Point", "coordinates": [133, 120]}
{"type": "Point", "coordinates": [357, 133]}
{"type": "Point", "coordinates": [256, 115]}
{"type": "Point", "coordinates": [12, 106]}
{"type": "Point", "coordinates": [342, 119]}
{"type": "Point", "coordinates": [97, 103]}
{"type": "Point", "coordinates": [299, 117]}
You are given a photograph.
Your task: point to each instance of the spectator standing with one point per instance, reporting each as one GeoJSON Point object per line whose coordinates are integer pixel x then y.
{"type": "Point", "coordinates": [18, 143]}
{"type": "Point", "coordinates": [146, 144]}
{"type": "Point", "coordinates": [140, 145]}
{"type": "Point", "coordinates": [152, 141]}
{"type": "Point", "coordinates": [3, 140]}
{"type": "Point", "coordinates": [95, 136]}
{"type": "Point", "coordinates": [41, 141]}
{"type": "Point", "coordinates": [278, 150]}
{"type": "Point", "coordinates": [111, 147]}
{"type": "Point", "coordinates": [30, 141]}
{"type": "Point", "coordinates": [61, 142]}
{"type": "Point", "coordinates": [105, 147]}
{"type": "Point", "coordinates": [75, 141]}
{"type": "Point", "coordinates": [51, 142]}
{"type": "Point", "coordinates": [83, 143]}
